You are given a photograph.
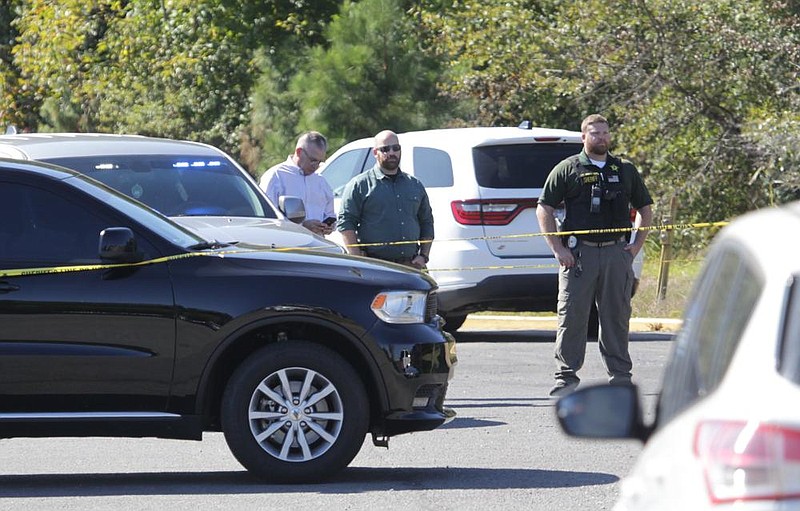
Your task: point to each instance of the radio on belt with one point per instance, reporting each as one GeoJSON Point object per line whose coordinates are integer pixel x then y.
{"type": "Point", "coordinates": [597, 194]}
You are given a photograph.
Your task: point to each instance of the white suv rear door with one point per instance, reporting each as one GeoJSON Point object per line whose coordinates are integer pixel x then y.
{"type": "Point", "coordinates": [510, 179]}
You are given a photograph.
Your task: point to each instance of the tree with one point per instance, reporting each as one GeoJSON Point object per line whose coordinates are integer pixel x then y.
{"type": "Point", "coordinates": [702, 95]}
{"type": "Point", "coordinates": [175, 68]}
{"type": "Point", "coordinates": [501, 58]}
{"type": "Point", "coordinates": [368, 76]}
{"type": "Point", "coordinates": [18, 107]}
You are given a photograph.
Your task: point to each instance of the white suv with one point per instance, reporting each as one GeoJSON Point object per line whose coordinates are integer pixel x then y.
{"type": "Point", "coordinates": [483, 185]}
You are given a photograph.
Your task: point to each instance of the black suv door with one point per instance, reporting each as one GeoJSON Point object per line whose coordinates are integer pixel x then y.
{"type": "Point", "coordinates": [73, 341]}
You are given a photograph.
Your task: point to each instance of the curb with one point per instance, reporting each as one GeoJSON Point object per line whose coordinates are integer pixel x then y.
{"type": "Point", "coordinates": [485, 321]}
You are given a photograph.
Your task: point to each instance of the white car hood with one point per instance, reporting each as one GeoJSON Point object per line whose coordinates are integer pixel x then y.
{"type": "Point", "coordinates": [260, 232]}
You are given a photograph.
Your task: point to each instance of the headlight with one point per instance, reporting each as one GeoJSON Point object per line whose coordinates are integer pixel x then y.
{"type": "Point", "coordinates": [400, 306]}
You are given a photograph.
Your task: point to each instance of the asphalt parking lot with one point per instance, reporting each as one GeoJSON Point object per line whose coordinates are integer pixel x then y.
{"type": "Point", "coordinates": [504, 449]}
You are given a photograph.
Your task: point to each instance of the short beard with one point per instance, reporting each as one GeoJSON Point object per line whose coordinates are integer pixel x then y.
{"type": "Point", "coordinates": [390, 164]}
{"type": "Point", "coordinates": [598, 148]}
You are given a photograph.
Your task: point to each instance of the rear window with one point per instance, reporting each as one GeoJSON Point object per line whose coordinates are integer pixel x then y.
{"type": "Point", "coordinates": [519, 165]}
{"type": "Point", "coordinates": [722, 302]}
{"type": "Point", "coordinates": [177, 185]}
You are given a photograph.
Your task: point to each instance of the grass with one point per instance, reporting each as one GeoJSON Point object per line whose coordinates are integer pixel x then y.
{"type": "Point", "coordinates": [647, 303]}
{"type": "Point", "coordinates": [680, 280]}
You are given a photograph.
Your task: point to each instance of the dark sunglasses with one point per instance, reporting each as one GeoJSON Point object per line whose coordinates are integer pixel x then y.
{"type": "Point", "coordinates": [387, 148]}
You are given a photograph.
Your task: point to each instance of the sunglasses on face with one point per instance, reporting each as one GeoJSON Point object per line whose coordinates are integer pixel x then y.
{"type": "Point", "coordinates": [387, 148]}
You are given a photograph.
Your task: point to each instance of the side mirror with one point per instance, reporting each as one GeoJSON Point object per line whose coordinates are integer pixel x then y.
{"type": "Point", "coordinates": [118, 245]}
{"type": "Point", "coordinates": [602, 411]}
{"type": "Point", "coordinates": [293, 208]}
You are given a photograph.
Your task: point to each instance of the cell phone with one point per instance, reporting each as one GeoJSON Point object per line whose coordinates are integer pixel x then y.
{"type": "Point", "coordinates": [330, 220]}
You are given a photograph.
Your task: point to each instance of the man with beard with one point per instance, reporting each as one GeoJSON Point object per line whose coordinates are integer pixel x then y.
{"type": "Point", "coordinates": [387, 211]}
{"type": "Point", "coordinates": [597, 190]}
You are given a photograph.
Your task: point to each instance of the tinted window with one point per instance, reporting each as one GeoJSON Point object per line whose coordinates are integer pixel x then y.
{"type": "Point", "coordinates": [138, 212]}
{"type": "Point", "coordinates": [177, 185]}
{"type": "Point", "coordinates": [520, 165]}
{"type": "Point", "coordinates": [433, 167]}
{"type": "Point", "coordinates": [716, 316]}
{"type": "Point", "coordinates": [39, 226]}
{"type": "Point", "coordinates": [789, 360]}
{"type": "Point", "coordinates": [339, 171]}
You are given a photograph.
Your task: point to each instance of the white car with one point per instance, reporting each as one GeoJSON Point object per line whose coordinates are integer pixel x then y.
{"type": "Point", "coordinates": [483, 185]}
{"type": "Point", "coordinates": [727, 428]}
{"type": "Point", "coordinates": [196, 185]}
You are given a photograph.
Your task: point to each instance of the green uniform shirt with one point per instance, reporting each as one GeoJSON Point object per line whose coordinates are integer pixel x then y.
{"type": "Point", "coordinates": [381, 209]}
{"type": "Point", "coordinates": [570, 182]}
{"type": "Point", "coordinates": [564, 182]}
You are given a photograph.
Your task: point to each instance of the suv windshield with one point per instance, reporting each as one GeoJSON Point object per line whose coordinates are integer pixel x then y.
{"type": "Point", "coordinates": [177, 185]}
{"type": "Point", "coordinates": [519, 165]}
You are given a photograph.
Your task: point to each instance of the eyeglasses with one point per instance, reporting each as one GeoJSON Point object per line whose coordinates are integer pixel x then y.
{"type": "Point", "coordinates": [311, 160]}
{"type": "Point", "coordinates": [387, 148]}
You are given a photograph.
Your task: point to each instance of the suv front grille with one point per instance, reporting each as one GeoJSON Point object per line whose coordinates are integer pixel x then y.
{"type": "Point", "coordinates": [431, 307]}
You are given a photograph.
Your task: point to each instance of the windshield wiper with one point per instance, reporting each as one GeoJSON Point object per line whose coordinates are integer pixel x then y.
{"type": "Point", "coordinates": [209, 245]}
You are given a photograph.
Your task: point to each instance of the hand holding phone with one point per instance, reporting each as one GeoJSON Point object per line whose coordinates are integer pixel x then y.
{"type": "Point", "coordinates": [330, 220]}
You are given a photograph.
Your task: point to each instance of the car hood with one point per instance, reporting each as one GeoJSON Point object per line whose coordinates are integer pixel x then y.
{"type": "Point", "coordinates": [256, 232]}
{"type": "Point", "coordinates": [328, 267]}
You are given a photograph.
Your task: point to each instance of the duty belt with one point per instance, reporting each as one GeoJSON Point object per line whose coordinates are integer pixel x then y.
{"type": "Point", "coordinates": [603, 243]}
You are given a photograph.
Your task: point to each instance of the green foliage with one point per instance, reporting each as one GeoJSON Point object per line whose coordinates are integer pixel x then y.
{"type": "Point", "coordinates": [179, 72]}
{"type": "Point", "coordinates": [369, 75]}
{"type": "Point", "coordinates": [501, 58]}
{"type": "Point", "coordinates": [274, 112]}
{"type": "Point", "coordinates": [703, 96]}
{"type": "Point", "coordinates": [175, 68]}
{"type": "Point", "coordinates": [17, 104]}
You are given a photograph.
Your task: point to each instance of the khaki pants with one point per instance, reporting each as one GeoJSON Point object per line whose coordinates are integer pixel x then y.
{"type": "Point", "coordinates": [606, 278]}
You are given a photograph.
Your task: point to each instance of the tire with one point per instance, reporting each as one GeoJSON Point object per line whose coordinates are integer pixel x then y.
{"type": "Point", "coordinates": [454, 322]}
{"type": "Point", "coordinates": [307, 436]}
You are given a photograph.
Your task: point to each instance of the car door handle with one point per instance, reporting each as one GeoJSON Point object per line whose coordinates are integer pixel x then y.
{"type": "Point", "coordinates": [5, 287]}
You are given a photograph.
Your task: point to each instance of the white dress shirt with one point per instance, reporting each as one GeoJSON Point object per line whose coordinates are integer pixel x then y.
{"type": "Point", "coordinates": [288, 179]}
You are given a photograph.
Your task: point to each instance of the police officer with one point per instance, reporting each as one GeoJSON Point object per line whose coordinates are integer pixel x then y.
{"type": "Point", "coordinates": [597, 190]}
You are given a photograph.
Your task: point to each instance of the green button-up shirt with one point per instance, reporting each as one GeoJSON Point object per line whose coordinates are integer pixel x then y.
{"type": "Point", "coordinates": [384, 210]}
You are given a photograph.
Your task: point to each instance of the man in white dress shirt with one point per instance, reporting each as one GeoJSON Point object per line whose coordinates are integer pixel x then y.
{"type": "Point", "coordinates": [297, 177]}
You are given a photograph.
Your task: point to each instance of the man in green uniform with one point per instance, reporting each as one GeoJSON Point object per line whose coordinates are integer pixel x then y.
{"type": "Point", "coordinates": [597, 190]}
{"type": "Point", "coordinates": [384, 205]}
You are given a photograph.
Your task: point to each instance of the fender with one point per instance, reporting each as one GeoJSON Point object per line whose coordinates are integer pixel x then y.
{"type": "Point", "coordinates": [210, 380]}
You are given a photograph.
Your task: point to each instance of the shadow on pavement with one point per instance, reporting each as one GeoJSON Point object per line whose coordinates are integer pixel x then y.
{"type": "Point", "coordinates": [350, 481]}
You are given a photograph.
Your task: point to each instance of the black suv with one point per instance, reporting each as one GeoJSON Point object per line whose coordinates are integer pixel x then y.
{"type": "Point", "coordinates": [115, 321]}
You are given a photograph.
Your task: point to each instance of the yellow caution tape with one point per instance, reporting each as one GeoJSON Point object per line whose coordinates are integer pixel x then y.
{"type": "Point", "coordinates": [95, 267]}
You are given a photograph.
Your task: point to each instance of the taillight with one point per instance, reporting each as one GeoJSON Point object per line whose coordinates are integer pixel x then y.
{"type": "Point", "coordinates": [749, 460]}
{"type": "Point", "coordinates": [633, 214]}
{"type": "Point", "coordinates": [489, 211]}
